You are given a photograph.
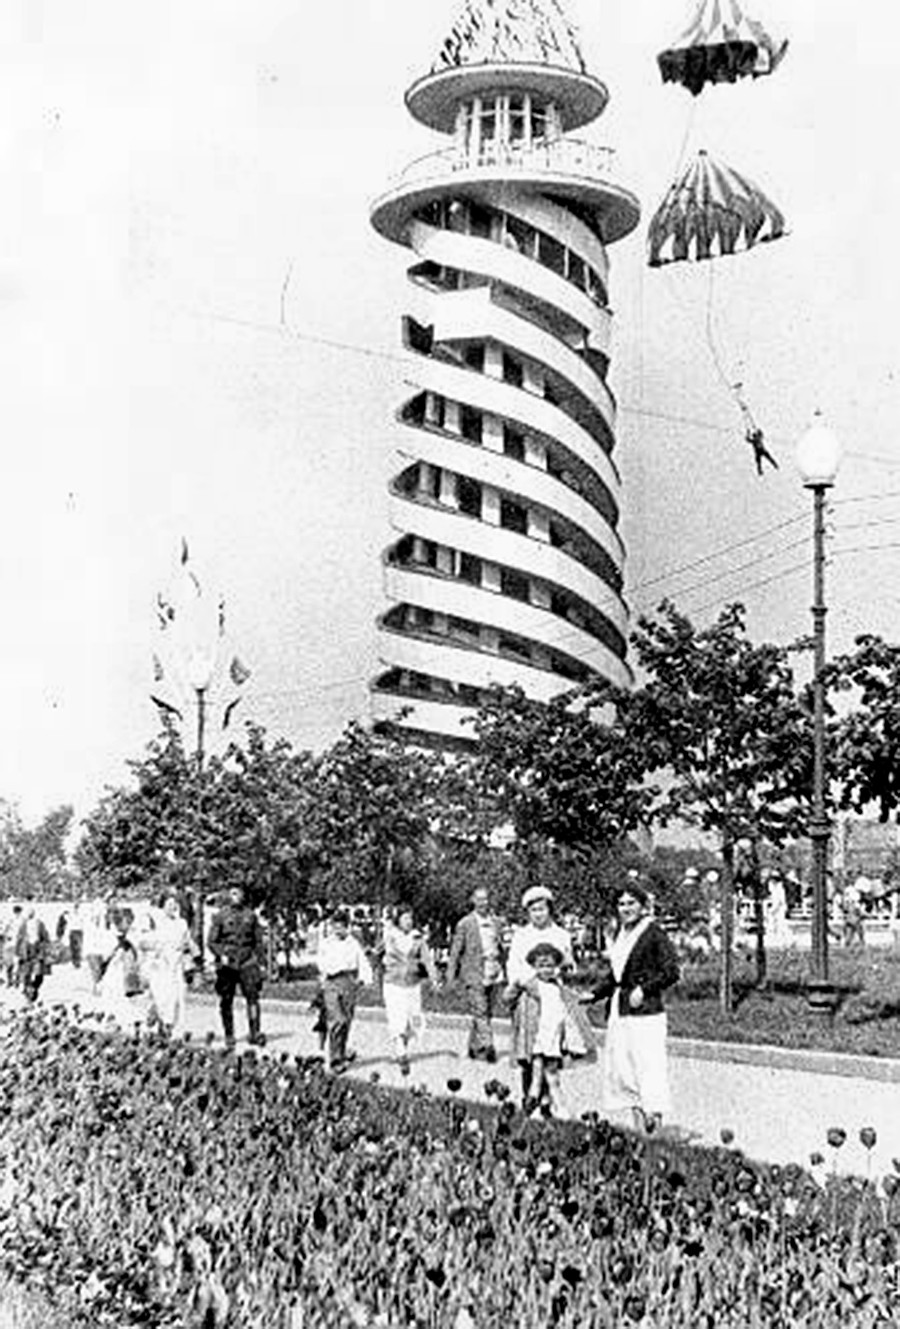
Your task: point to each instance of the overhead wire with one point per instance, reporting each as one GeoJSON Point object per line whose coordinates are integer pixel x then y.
{"type": "Point", "coordinates": [284, 329]}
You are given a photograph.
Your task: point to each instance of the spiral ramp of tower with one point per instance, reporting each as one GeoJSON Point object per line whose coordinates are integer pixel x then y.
{"type": "Point", "coordinates": [506, 565]}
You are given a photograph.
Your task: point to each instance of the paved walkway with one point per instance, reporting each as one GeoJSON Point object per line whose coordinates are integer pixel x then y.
{"type": "Point", "coordinates": [778, 1104]}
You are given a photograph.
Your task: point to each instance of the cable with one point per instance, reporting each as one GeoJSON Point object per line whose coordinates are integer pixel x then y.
{"type": "Point", "coordinates": [743, 567]}
{"type": "Point", "coordinates": [866, 498]}
{"type": "Point", "coordinates": [718, 553]}
{"type": "Point", "coordinates": [867, 549]}
{"type": "Point", "coordinates": [311, 692]}
{"type": "Point", "coordinates": [764, 581]}
{"type": "Point", "coordinates": [355, 348]}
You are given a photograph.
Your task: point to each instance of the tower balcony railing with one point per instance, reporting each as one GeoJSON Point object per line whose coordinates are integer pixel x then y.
{"type": "Point", "coordinates": [561, 156]}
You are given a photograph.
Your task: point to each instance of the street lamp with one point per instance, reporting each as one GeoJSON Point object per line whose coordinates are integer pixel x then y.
{"type": "Point", "coordinates": [201, 663]}
{"type": "Point", "coordinates": [818, 456]}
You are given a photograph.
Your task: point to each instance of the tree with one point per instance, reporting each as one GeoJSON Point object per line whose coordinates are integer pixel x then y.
{"type": "Point", "coordinates": [722, 731]}
{"type": "Point", "coordinates": [375, 800]}
{"type": "Point", "coordinates": [555, 771]}
{"type": "Point", "coordinates": [865, 742]}
{"type": "Point", "coordinates": [136, 836]}
{"type": "Point", "coordinates": [34, 860]}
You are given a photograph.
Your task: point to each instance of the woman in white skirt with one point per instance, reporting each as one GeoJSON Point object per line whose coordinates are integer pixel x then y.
{"type": "Point", "coordinates": [172, 952]}
{"type": "Point", "coordinates": [407, 961]}
{"type": "Point", "coordinates": [642, 964]}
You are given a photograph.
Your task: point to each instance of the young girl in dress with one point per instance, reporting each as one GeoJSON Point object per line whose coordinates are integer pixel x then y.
{"type": "Point", "coordinates": [552, 1028]}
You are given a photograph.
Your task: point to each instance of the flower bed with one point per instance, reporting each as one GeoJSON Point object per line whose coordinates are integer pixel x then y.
{"type": "Point", "coordinates": [153, 1184]}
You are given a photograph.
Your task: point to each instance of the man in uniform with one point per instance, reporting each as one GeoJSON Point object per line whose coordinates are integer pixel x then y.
{"type": "Point", "coordinates": [236, 942]}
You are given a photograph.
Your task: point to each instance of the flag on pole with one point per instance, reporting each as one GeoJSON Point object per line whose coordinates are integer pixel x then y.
{"type": "Point", "coordinates": [238, 672]}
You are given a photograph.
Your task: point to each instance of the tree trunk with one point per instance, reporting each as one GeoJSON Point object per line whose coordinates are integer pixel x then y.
{"type": "Point", "coordinates": [759, 915]}
{"type": "Point", "coordinates": [726, 929]}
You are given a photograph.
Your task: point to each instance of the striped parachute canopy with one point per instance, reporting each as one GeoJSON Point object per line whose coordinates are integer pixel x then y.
{"type": "Point", "coordinates": [721, 45]}
{"type": "Point", "coordinates": [710, 210]}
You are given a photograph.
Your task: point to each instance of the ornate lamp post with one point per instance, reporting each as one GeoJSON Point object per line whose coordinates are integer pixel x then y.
{"type": "Point", "coordinates": [818, 456]}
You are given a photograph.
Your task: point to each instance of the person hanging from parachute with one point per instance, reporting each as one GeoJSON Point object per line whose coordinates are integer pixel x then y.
{"type": "Point", "coordinates": [711, 210]}
{"type": "Point", "coordinates": [752, 432]}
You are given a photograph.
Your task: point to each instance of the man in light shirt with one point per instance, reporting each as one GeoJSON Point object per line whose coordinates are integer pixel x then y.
{"type": "Point", "coordinates": [343, 968]}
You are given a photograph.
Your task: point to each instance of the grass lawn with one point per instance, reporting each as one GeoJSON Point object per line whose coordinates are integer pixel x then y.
{"type": "Point", "coordinates": [866, 1021]}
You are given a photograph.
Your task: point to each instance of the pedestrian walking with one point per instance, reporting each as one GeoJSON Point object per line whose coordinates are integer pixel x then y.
{"type": "Point", "coordinates": [539, 927]}
{"type": "Point", "coordinates": [120, 982]}
{"type": "Point", "coordinates": [476, 962]}
{"type": "Point", "coordinates": [171, 954]}
{"type": "Point", "coordinates": [12, 921]}
{"type": "Point", "coordinates": [343, 968]}
{"type": "Point", "coordinates": [642, 964]}
{"type": "Point", "coordinates": [237, 945]}
{"type": "Point", "coordinates": [98, 939]}
{"type": "Point", "coordinates": [76, 934]}
{"type": "Point", "coordinates": [851, 903]}
{"type": "Point", "coordinates": [552, 1028]}
{"type": "Point", "coordinates": [32, 953]}
{"type": "Point", "coordinates": [407, 962]}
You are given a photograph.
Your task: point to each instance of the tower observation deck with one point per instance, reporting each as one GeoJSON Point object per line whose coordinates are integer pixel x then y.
{"type": "Point", "coordinates": [507, 563]}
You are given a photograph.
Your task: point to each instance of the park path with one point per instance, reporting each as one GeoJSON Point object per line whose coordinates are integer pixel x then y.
{"type": "Point", "coordinates": [778, 1104]}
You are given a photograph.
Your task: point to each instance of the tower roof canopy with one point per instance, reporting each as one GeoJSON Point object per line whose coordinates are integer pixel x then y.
{"type": "Point", "coordinates": [504, 45]}
{"type": "Point", "coordinates": [525, 31]}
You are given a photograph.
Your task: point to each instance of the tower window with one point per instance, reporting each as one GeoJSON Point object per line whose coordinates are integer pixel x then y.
{"type": "Point", "coordinates": [458, 216]}
{"type": "Point", "coordinates": [470, 569]}
{"type": "Point", "coordinates": [435, 409]}
{"type": "Point", "coordinates": [424, 553]}
{"type": "Point", "coordinates": [595, 288]}
{"type": "Point", "coordinates": [513, 516]}
{"type": "Point", "coordinates": [516, 119]}
{"type": "Point", "coordinates": [538, 122]}
{"type": "Point", "coordinates": [513, 646]}
{"type": "Point", "coordinates": [514, 584]}
{"type": "Point", "coordinates": [576, 273]}
{"type": "Point", "coordinates": [471, 423]}
{"type": "Point", "coordinates": [520, 236]}
{"type": "Point", "coordinates": [468, 494]}
{"type": "Point", "coordinates": [513, 443]}
{"type": "Point", "coordinates": [473, 355]}
{"type": "Point", "coordinates": [551, 253]}
{"type": "Point", "coordinates": [488, 120]}
{"type": "Point", "coordinates": [512, 370]}
{"type": "Point", "coordinates": [479, 221]}
{"type": "Point", "coordinates": [463, 627]}
{"type": "Point", "coordinates": [429, 480]}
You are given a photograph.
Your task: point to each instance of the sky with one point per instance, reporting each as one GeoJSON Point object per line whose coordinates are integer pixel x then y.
{"type": "Point", "coordinates": [199, 331]}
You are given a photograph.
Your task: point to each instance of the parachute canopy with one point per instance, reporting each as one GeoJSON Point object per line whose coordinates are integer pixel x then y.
{"type": "Point", "coordinates": [721, 45]}
{"type": "Point", "coordinates": [709, 211]}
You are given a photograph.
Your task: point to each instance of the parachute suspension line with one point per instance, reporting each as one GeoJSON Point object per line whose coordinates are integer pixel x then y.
{"type": "Point", "coordinates": [733, 388]}
{"type": "Point", "coordinates": [688, 128]}
{"type": "Point", "coordinates": [752, 432]}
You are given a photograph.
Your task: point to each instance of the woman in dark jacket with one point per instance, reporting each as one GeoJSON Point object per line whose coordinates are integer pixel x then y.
{"type": "Point", "coordinates": [642, 964]}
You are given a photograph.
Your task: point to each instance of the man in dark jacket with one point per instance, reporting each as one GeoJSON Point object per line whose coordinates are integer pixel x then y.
{"type": "Point", "coordinates": [236, 942]}
{"type": "Point", "coordinates": [477, 955]}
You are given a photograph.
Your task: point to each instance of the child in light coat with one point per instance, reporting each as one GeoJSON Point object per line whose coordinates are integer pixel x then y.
{"type": "Point", "coordinates": [551, 1030]}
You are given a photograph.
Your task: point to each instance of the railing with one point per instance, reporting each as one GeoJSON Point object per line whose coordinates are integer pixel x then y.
{"type": "Point", "coordinates": [562, 156]}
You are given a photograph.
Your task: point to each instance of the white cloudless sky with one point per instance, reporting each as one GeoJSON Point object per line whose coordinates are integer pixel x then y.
{"type": "Point", "coordinates": [199, 335]}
